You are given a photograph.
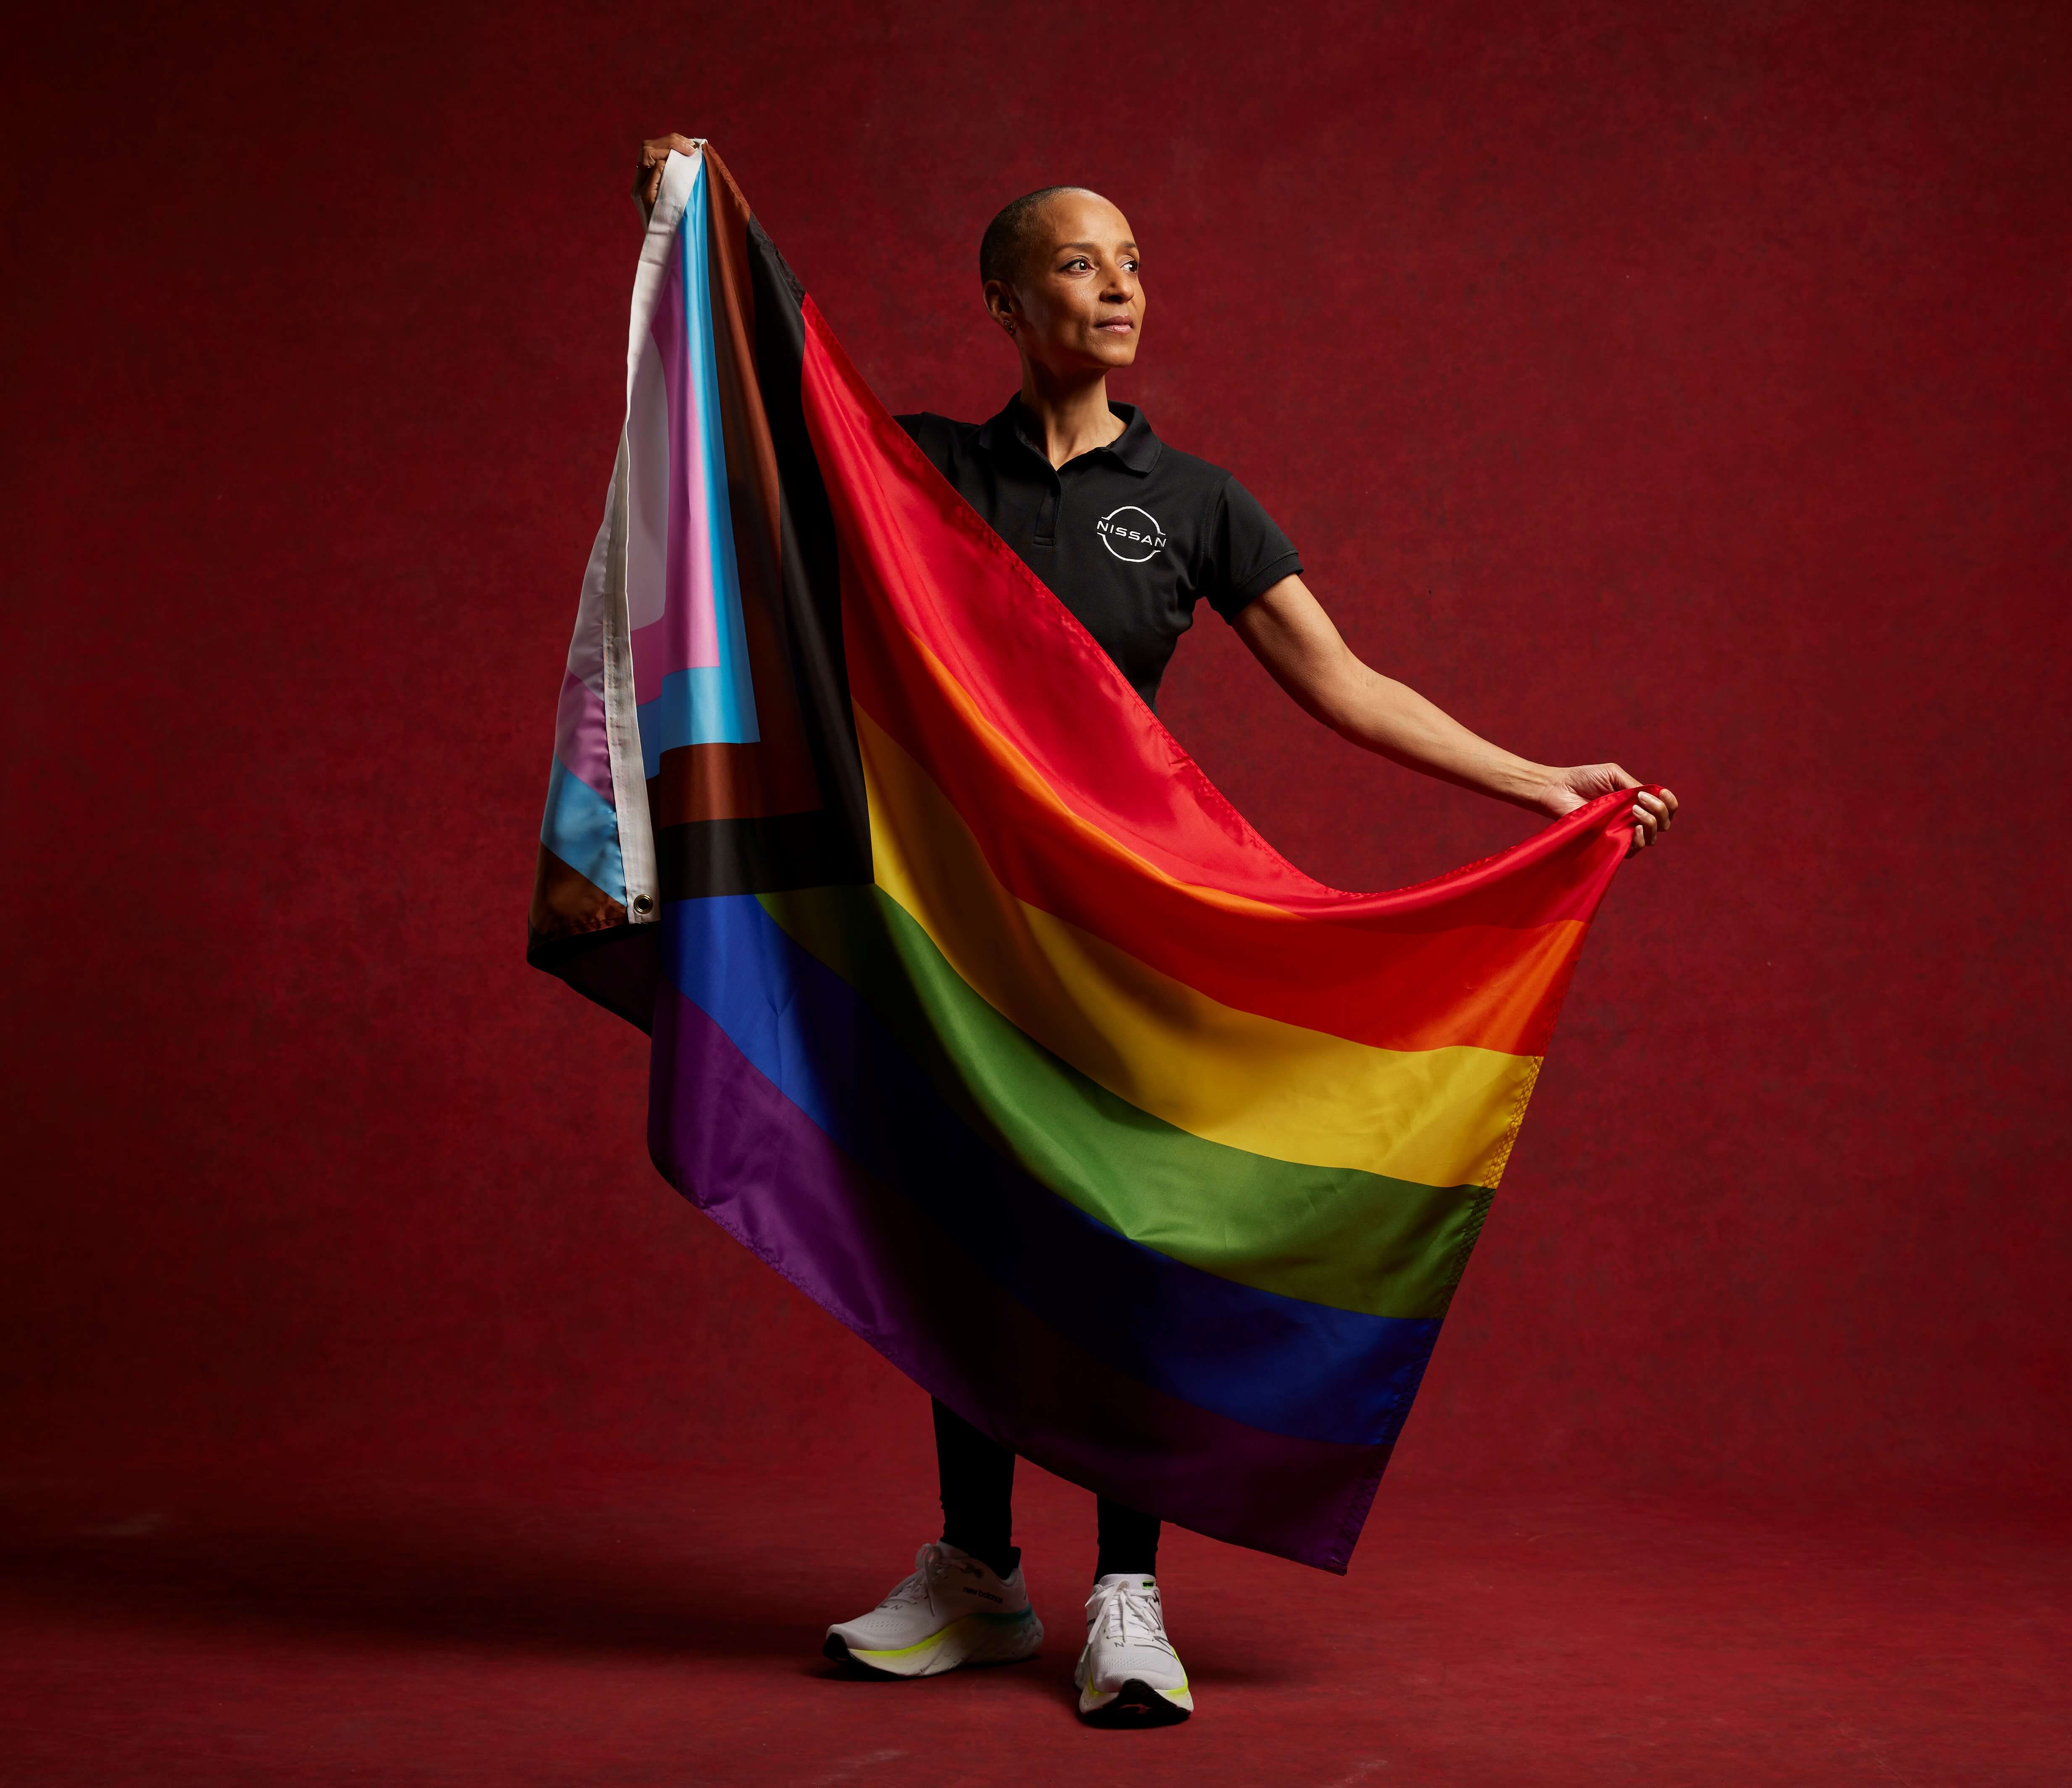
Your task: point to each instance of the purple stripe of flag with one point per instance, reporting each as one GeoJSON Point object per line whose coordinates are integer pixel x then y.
{"type": "Point", "coordinates": [753, 1162]}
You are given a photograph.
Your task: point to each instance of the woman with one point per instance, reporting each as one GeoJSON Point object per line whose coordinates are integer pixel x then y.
{"type": "Point", "coordinates": [1130, 534]}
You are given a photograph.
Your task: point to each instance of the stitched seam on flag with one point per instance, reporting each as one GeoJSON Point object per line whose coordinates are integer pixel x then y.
{"type": "Point", "coordinates": [636, 841]}
{"type": "Point", "coordinates": [1471, 1234]}
{"type": "Point", "coordinates": [1500, 1156]}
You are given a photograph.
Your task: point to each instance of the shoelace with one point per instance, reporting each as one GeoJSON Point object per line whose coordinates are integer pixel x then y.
{"type": "Point", "coordinates": [930, 1568]}
{"type": "Point", "coordinates": [1130, 1610]}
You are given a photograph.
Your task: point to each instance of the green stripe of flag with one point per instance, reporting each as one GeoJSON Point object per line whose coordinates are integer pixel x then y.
{"type": "Point", "coordinates": [1329, 1235]}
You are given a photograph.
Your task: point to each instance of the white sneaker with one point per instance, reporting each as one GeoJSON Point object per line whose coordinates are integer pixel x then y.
{"type": "Point", "coordinates": [952, 1610]}
{"type": "Point", "coordinates": [1129, 1675]}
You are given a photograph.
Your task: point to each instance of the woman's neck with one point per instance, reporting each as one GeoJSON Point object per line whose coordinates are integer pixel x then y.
{"type": "Point", "coordinates": [1068, 417]}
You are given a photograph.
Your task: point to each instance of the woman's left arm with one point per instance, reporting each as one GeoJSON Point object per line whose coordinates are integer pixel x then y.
{"type": "Point", "coordinates": [1289, 633]}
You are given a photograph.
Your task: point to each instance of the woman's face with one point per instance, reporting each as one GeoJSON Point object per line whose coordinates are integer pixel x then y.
{"type": "Point", "coordinates": [1077, 306]}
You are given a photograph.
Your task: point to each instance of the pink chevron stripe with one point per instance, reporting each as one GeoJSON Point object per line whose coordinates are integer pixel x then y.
{"type": "Point", "coordinates": [579, 736]}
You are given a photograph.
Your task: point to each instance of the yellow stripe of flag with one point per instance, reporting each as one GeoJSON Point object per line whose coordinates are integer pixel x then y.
{"type": "Point", "coordinates": [1441, 1117]}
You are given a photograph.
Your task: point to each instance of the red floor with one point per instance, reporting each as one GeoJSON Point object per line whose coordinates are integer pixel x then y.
{"type": "Point", "coordinates": [645, 1627]}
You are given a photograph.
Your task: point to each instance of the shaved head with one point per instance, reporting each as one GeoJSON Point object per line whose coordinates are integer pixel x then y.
{"type": "Point", "coordinates": [1004, 250]}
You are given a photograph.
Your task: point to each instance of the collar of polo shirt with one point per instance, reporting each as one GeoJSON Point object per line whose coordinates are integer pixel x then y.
{"type": "Point", "coordinates": [1136, 447]}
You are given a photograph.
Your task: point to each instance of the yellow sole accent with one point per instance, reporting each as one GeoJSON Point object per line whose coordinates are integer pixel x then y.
{"type": "Point", "coordinates": [964, 1627]}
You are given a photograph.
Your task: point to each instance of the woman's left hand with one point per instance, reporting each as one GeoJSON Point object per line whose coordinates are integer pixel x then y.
{"type": "Point", "coordinates": [1652, 814]}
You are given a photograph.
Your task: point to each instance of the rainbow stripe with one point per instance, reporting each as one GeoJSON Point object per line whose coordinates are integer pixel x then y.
{"type": "Point", "coordinates": [977, 1012]}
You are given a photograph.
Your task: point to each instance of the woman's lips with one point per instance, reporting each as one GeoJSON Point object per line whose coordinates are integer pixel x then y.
{"type": "Point", "coordinates": [1117, 326]}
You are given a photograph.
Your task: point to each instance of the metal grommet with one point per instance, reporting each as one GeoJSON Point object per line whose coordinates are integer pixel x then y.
{"type": "Point", "coordinates": [644, 903]}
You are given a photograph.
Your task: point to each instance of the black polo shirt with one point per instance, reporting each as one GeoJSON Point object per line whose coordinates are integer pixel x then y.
{"type": "Point", "coordinates": [1130, 536]}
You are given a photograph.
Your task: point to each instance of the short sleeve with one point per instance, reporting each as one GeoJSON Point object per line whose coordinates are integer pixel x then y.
{"type": "Point", "coordinates": [1248, 554]}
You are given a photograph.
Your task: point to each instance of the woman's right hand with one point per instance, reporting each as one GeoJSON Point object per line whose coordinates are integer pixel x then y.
{"type": "Point", "coordinates": [654, 153]}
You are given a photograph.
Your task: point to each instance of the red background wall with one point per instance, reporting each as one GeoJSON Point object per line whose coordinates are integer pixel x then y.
{"type": "Point", "coordinates": [1682, 385]}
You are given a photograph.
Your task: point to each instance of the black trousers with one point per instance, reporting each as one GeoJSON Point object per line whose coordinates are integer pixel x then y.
{"type": "Point", "coordinates": [977, 1475]}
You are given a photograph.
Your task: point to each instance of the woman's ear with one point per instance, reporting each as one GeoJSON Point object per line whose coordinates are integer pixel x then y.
{"type": "Point", "coordinates": [1000, 302]}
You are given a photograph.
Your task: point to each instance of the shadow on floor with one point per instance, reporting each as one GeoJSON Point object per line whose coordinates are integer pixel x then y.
{"type": "Point", "coordinates": [611, 1581]}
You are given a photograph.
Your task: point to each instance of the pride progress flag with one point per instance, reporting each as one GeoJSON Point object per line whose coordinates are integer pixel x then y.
{"type": "Point", "coordinates": [976, 1011]}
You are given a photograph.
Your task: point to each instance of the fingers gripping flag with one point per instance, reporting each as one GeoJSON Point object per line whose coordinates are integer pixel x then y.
{"type": "Point", "coordinates": [977, 1012]}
